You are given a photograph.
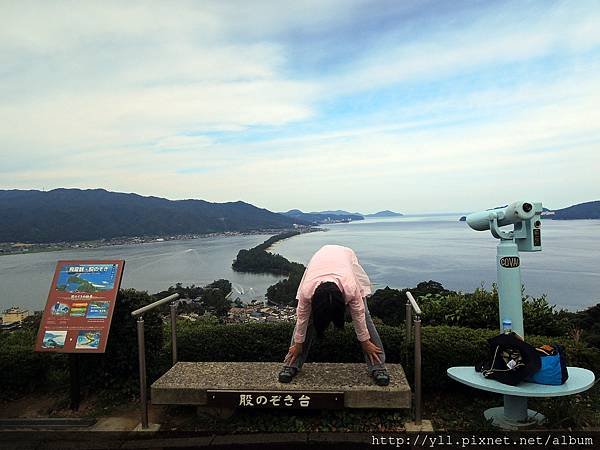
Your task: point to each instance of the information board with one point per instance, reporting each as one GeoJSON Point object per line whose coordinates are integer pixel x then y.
{"type": "Point", "coordinates": [80, 306]}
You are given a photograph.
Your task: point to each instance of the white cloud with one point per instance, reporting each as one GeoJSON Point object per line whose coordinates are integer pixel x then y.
{"type": "Point", "coordinates": [489, 41]}
{"type": "Point", "coordinates": [151, 96]}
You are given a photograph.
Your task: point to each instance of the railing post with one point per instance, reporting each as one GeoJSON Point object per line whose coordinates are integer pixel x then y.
{"type": "Point", "coordinates": [418, 388]}
{"type": "Point", "coordinates": [174, 331]}
{"type": "Point", "coordinates": [408, 320]}
{"type": "Point", "coordinates": [142, 362]}
{"type": "Point", "coordinates": [139, 313]}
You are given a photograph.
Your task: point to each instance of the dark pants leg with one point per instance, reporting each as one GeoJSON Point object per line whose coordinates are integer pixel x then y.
{"type": "Point", "coordinates": [311, 335]}
{"type": "Point", "coordinates": [376, 340]}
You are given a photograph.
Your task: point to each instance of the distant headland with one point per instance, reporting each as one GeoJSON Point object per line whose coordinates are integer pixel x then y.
{"type": "Point", "coordinates": [337, 216]}
{"type": "Point", "coordinates": [587, 210]}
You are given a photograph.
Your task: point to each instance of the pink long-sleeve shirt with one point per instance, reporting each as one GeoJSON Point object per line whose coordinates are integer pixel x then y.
{"type": "Point", "coordinates": [339, 265]}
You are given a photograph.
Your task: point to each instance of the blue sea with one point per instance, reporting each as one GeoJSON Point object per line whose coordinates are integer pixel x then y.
{"type": "Point", "coordinates": [396, 252]}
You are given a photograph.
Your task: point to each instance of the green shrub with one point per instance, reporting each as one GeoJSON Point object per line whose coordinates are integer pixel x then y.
{"type": "Point", "coordinates": [443, 347]}
{"type": "Point", "coordinates": [117, 370]}
{"type": "Point", "coordinates": [118, 366]}
{"type": "Point", "coordinates": [588, 322]}
{"type": "Point", "coordinates": [478, 309]}
{"type": "Point", "coordinates": [24, 370]}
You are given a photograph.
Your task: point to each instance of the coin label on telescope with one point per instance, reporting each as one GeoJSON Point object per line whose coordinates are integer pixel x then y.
{"type": "Point", "coordinates": [510, 262]}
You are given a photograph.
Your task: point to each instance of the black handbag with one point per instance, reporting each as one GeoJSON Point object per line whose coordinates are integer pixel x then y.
{"type": "Point", "coordinates": [510, 361]}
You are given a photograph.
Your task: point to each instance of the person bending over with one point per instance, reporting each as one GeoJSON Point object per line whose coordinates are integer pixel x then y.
{"type": "Point", "coordinates": [332, 282]}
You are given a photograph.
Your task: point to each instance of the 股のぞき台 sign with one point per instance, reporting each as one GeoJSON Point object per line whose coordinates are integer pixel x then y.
{"type": "Point", "coordinates": [80, 305]}
{"type": "Point", "coordinates": [278, 399]}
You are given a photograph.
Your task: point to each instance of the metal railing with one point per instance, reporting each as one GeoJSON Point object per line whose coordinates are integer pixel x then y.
{"type": "Point", "coordinates": [142, 349]}
{"type": "Point", "coordinates": [411, 305]}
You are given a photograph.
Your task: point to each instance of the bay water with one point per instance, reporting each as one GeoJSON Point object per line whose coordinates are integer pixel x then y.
{"type": "Point", "coordinates": [397, 252]}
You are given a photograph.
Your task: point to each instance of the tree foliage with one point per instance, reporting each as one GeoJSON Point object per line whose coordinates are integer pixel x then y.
{"type": "Point", "coordinates": [284, 291]}
{"type": "Point", "coordinates": [258, 260]}
{"type": "Point", "coordinates": [587, 322]}
{"type": "Point", "coordinates": [211, 298]}
{"type": "Point", "coordinates": [478, 309]}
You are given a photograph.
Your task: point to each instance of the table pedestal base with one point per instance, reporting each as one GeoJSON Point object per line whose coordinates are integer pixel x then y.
{"type": "Point", "coordinates": [514, 415]}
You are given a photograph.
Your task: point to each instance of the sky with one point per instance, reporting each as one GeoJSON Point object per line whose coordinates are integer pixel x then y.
{"type": "Point", "coordinates": [413, 106]}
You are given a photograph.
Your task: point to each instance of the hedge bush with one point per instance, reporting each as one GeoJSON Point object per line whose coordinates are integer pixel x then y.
{"type": "Point", "coordinates": [443, 347]}
{"type": "Point", "coordinates": [478, 309]}
{"type": "Point", "coordinates": [118, 366]}
{"type": "Point", "coordinates": [117, 370]}
{"type": "Point", "coordinates": [23, 369]}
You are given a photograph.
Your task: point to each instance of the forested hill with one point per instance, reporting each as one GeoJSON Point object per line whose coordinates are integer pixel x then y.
{"type": "Point", "coordinates": [81, 215]}
{"type": "Point", "coordinates": [588, 210]}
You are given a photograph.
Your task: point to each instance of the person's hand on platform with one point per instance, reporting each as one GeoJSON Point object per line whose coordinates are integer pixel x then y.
{"type": "Point", "coordinates": [293, 354]}
{"type": "Point", "coordinates": [372, 351]}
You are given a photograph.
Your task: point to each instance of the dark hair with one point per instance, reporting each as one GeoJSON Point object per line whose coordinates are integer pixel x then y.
{"type": "Point", "coordinates": [328, 306]}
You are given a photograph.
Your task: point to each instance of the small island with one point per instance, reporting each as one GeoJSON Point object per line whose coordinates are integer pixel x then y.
{"type": "Point", "coordinates": [386, 213]}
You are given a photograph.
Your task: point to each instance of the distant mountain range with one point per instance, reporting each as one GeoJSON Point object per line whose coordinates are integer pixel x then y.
{"type": "Point", "coordinates": [84, 215]}
{"type": "Point", "coordinates": [587, 210]}
{"type": "Point", "coordinates": [339, 215]}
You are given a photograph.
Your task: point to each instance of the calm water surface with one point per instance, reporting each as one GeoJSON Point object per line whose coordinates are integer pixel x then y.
{"type": "Point", "coordinates": [399, 252]}
{"type": "Point", "coordinates": [153, 267]}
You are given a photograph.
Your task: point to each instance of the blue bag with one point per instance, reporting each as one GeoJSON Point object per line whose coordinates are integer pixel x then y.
{"type": "Point", "coordinates": [553, 370]}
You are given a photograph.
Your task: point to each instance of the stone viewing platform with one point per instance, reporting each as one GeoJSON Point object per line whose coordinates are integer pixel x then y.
{"type": "Point", "coordinates": [239, 383]}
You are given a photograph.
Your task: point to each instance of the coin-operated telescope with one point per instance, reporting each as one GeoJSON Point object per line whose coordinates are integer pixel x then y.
{"type": "Point", "coordinates": [526, 236]}
{"type": "Point", "coordinates": [526, 218]}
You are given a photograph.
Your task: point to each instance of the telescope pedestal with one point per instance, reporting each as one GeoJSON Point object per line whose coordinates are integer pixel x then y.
{"type": "Point", "coordinates": [510, 304]}
{"type": "Point", "coordinates": [514, 415]}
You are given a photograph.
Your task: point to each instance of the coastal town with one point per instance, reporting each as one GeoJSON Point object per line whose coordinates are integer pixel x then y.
{"type": "Point", "coordinates": [10, 248]}
{"type": "Point", "coordinates": [261, 312]}
{"type": "Point", "coordinates": [256, 311]}
{"type": "Point", "coordinates": [11, 318]}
